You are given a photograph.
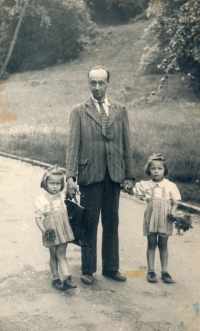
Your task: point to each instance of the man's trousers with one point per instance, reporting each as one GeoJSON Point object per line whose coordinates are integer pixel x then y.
{"type": "Point", "coordinates": [101, 197]}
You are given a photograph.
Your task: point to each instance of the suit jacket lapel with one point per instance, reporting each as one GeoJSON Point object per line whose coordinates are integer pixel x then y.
{"type": "Point", "coordinates": [92, 111]}
{"type": "Point", "coordinates": [112, 113]}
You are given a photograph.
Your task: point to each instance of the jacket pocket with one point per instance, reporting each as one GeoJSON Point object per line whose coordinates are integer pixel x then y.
{"type": "Point", "coordinates": [82, 162]}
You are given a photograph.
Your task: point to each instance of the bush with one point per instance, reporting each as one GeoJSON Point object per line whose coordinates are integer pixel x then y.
{"type": "Point", "coordinates": [176, 31]}
{"type": "Point", "coordinates": [51, 30]}
{"type": "Point", "coordinates": [117, 11]}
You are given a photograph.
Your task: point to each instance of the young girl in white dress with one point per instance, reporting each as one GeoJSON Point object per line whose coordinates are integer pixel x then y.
{"type": "Point", "coordinates": [51, 213]}
{"type": "Point", "coordinates": [162, 198]}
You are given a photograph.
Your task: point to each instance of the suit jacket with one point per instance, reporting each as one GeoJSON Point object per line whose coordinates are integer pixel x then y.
{"type": "Point", "coordinates": [89, 152]}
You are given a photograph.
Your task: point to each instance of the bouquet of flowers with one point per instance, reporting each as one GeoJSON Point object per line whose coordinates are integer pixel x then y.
{"type": "Point", "coordinates": [182, 221]}
{"type": "Point", "coordinates": [49, 235]}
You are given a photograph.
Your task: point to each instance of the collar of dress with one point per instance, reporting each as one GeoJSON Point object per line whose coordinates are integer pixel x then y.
{"type": "Point", "coordinates": [52, 196]}
{"type": "Point", "coordinates": [163, 183]}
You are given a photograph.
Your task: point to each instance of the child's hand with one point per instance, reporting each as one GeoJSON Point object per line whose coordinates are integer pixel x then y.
{"type": "Point", "coordinates": [171, 218]}
{"type": "Point", "coordinates": [129, 191]}
{"type": "Point", "coordinates": [128, 186]}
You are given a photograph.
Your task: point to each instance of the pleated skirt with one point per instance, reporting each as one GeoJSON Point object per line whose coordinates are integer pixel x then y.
{"type": "Point", "coordinates": [59, 222]}
{"type": "Point", "coordinates": [155, 218]}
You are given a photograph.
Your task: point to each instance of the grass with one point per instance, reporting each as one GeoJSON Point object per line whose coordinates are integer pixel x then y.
{"type": "Point", "coordinates": [35, 108]}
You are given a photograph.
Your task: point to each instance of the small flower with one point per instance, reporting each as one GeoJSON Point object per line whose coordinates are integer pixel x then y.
{"type": "Point", "coordinates": [49, 235]}
{"type": "Point", "coordinates": [183, 222]}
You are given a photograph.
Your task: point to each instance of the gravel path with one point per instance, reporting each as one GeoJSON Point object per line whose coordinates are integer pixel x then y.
{"type": "Point", "coordinates": [29, 303]}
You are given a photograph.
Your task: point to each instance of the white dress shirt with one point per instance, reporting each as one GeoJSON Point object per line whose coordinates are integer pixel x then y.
{"type": "Point", "coordinates": [106, 104]}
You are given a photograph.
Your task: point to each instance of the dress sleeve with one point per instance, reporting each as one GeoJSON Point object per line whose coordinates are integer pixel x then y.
{"type": "Point", "coordinates": [175, 194]}
{"type": "Point", "coordinates": [39, 206]}
{"type": "Point", "coordinates": [139, 189]}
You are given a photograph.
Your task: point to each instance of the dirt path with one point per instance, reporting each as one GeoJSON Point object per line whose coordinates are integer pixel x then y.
{"type": "Point", "coordinates": [29, 303]}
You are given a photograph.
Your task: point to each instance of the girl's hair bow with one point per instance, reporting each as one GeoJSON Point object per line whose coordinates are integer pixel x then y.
{"type": "Point", "coordinates": [157, 156]}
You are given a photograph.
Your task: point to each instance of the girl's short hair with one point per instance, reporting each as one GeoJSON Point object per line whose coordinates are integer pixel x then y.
{"type": "Point", "coordinates": [155, 157]}
{"type": "Point", "coordinates": [54, 170]}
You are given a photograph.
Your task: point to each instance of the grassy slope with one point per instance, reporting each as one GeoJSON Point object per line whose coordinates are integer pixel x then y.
{"type": "Point", "coordinates": [36, 106]}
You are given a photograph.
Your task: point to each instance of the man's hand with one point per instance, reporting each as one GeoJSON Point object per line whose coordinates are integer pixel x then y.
{"type": "Point", "coordinates": [72, 189]}
{"type": "Point", "coordinates": [128, 185]}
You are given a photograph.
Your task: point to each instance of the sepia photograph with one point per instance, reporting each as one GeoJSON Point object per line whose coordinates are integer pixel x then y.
{"type": "Point", "coordinates": [100, 165]}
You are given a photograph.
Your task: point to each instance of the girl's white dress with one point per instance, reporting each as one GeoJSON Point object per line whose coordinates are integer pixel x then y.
{"type": "Point", "coordinates": [159, 197]}
{"type": "Point", "coordinates": [52, 209]}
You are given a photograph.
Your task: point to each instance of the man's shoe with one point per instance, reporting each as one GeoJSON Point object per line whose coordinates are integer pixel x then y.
{"type": "Point", "coordinates": [116, 275]}
{"type": "Point", "coordinates": [151, 277]}
{"type": "Point", "coordinates": [68, 283]}
{"type": "Point", "coordinates": [58, 284]}
{"type": "Point", "coordinates": [166, 278]}
{"type": "Point", "coordinates": [87, 279]}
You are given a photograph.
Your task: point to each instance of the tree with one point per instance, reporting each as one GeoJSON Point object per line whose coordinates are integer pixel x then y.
{"type": "Point", "coordinates": [51, 30]}
{"type": "Point", "coordinates": [13, 40]}
{"type": "Point", "coordinates": [176, 31]}
{"type": "Point", "coordinates": [117, 11]}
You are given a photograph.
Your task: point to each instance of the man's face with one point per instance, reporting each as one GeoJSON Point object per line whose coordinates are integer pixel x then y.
{"type": "Point", "coordinates": [98, 83]}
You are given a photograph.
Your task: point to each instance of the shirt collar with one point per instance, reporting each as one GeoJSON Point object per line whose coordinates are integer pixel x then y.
{"type": "Point", "coordinates": [107, 103]}
{"type": "Point", "coordinates": [163, 183]}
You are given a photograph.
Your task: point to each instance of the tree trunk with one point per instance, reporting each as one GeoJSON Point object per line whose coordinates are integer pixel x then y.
{"type": "Point", "coordinates": [12, 44]}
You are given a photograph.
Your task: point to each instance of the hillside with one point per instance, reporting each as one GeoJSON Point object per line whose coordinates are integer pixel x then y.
{"type": "Point", "coordinates": [113, 47]}
{"type": "Point", "coordinates": [35, 106]}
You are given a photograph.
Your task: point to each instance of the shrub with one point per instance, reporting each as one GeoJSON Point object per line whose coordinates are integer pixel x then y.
{"type": "Point", "coordinates": [51, 30]}
{"type": "Point", "coordinates": [176, 31]}
{"type": "Point", "coordinates": [117, 11]}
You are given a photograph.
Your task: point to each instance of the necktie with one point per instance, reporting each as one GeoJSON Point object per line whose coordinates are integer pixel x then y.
{"type": "Point", "coordinates": [104, 118]}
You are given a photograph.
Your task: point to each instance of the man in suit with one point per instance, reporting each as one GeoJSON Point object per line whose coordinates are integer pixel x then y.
{"type": "Point", "coordinates": [99, 151]}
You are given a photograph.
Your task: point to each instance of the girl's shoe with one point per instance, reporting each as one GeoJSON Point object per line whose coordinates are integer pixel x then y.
{"type": "Point", "coordinates": [57, 284]}
{"type": "Point", "coordinates": [166, 278]}
{"type": "Point", "coordinates": [68, 283]}
{"type": "Point", "coordinates": [151, 277]}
